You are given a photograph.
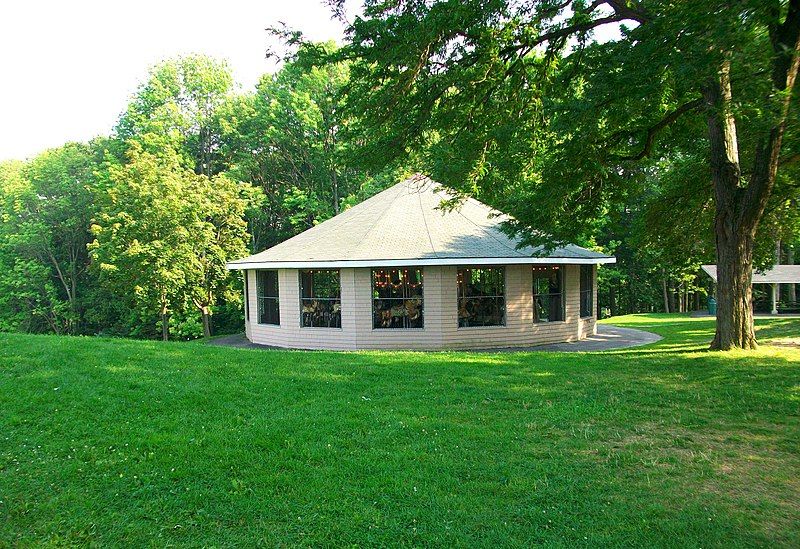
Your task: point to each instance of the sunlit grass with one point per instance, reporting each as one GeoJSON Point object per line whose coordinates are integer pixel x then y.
{"type": "Point", "coordinates": [115, 442]}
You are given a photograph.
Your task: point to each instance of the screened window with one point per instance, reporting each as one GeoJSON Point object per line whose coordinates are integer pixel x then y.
{"type": "Point", "coordinates": [397, 299]}
{"type": "Point", "coordinates": [587, 290]}
{"type": "Point", "coordinates": [320, 299]}
{"type": "Point", "coordinates": [548, 294]}
{"type": "Point", "coordinates": [267, 296]}
{"type": "Point", "coordinates": [481, 297]}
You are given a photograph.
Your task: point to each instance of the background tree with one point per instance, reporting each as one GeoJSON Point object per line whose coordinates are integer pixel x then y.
{"type": "Point", "coordinates": [142, 239]}
{"type": "Point", "coordinates": [215, 210]}
{"type": "Point", "coordinates": [191, 165]}
{"type": "Point", "coordinates": [47, 205]}
{"type": "Point", "coordinates": [176, 109]}
{"type": "Point", "coordinates": [518, 103]}
{"type": "Point", "coordinates": [289, 139]}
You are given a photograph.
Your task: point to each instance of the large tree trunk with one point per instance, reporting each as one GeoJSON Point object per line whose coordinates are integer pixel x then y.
{"type": "Point", "coordinates": [734, 289]}
{"type": "Point", "coordinates": [206, 311]}
{"type": "Point", "coordinates": [734, 238]}
{"type": "Point", "coordinates": [664, 292]}
{"type": "Point", "coordinates": [164, 323]}
{"type": "Point", "coordinates": [738, 207]}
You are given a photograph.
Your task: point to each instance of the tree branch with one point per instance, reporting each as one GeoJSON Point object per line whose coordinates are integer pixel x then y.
{"type": "Point", "coordinates": [564, 32]}
{"type": "Point", "coordinates": [789, 159]}
{"type": "Point", "coordinates": [626, 8]}
{"type": "Point", "coordinates": [768, 151]}
{"type": "Point", "coordinates": [623, 11]}
{"type": "Point", "coordinates": [652, 131]}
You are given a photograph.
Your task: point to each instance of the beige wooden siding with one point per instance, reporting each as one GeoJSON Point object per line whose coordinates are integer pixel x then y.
{"type": "Point", "coordinates": [440, 330]}
{"type": "Point", "coordinates": [587, 326]}
{"type": "Point", "coordinates": [249, 297]}
{"type": "Point", "coordinates": [428, 337]}
{"type": "Point", "coordinates": [291, 334]}
{"type": "Point", "coordinates": [520, 330]}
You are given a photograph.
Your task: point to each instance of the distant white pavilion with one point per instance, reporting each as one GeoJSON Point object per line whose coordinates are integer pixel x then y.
{"type": "Point", "coordinates": [779, 274]}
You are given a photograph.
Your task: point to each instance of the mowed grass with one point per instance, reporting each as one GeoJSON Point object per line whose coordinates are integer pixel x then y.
{"type": "Point", "coordinates": [114, 442]}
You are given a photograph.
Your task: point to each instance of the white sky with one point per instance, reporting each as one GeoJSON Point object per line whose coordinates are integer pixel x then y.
{"type": "Point", "coordinates": [70, 67]}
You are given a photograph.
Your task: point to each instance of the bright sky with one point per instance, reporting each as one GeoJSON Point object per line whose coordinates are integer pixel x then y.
{"type": "Point", "coordinates": [70, 67]}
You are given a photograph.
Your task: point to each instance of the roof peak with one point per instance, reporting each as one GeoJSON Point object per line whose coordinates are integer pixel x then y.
{"type": "Point", "coordinates": [404, 223]}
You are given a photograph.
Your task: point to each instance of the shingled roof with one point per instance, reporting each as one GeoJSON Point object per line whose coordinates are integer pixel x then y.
{"type": "Point", "coordinates": [779, 274]}
{"type": "Point", "coordinates": [403, 226]}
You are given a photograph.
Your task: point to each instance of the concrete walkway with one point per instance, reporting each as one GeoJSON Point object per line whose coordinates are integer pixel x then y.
{"type": "Point", "coordinates": [608, 338]}
{"type": "Point", "coordinates": [239, 341]}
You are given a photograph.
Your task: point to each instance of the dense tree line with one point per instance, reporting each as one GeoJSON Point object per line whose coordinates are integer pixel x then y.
{"type": "Point", "coordinates": [129, 234]}
{"type": "Point", "coordinates": [627, 146]}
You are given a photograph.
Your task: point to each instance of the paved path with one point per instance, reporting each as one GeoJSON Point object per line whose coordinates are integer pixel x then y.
{"type": "Point", "coordinates": [608, 338]}
{"type": "Point", "coordinates": [239, 341]}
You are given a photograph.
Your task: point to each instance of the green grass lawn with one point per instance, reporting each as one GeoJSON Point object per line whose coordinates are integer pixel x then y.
{"type": "Point", "coordinates": [113, 442]}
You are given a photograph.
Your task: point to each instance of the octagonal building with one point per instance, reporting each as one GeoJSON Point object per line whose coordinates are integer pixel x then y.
{"type": "Point", "coordinates": [397, 272]}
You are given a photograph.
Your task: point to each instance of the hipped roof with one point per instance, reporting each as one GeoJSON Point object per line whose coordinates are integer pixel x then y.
{"type": "Point", "coordinates": [779, 274]}
{"type": "Point", "coordinates": [404, 226]}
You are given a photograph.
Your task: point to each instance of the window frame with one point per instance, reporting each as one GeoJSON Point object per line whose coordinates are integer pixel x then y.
{"type": "Point", "coordinates": [459, 297]}
{"type": "Point", "coordinates": [402, 299]}
{"type": "Point", "coordinates": [260, 298]}
{"type": "Point", "coordinates": [314, 298]}
{"type": "Point", "coordinates": [586, 313]}
{"type": "Point", "coordinates": [562, 293]}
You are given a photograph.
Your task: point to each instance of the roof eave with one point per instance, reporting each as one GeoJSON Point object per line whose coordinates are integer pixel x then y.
{"type": "Point", "coordinates": [776, 275]}
{"type": "Point", "coordinates": [337, 264]}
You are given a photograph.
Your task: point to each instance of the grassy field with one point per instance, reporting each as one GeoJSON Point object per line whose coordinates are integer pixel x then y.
{"type": "Point", "coordinates": [113, 442]}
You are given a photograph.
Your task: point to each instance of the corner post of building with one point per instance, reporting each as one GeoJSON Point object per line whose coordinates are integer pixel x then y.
{"type": "Point", "coordinates": [774, 299]}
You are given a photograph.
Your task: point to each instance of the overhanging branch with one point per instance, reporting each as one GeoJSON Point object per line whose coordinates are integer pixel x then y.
{"type": "Point", "coordinates": [652, 131]}
{"type": "Point", "coordinates": [623, 10]}
{"type": "Point", "coordinates": [561, 33]}
{"type": "Point", "coordinates": [789, 159]}
{"type": "Point", "coordinates": [629, 10]}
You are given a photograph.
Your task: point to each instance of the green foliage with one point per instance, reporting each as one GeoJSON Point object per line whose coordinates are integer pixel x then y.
{"type": "Point", "coordinates": [164, 234]}
{"type": "Point", "coordinates": [289, 139]}
{"type": "Point", "coordinates": [141, 242]}
{"type": "Point", "coordinates": [521, 106]}
{"type": "Point", "coordinates": [191, 171]}
{"type": "Point", "coordinates": [176, 110]}
{"type": "Point", "coordinates": [107, 442]}
{"type": "Point", "coordinates": [46, 206]}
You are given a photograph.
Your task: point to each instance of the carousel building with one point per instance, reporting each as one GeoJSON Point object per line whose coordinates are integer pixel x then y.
{"type": "Point", "coordinates": [398, 272]}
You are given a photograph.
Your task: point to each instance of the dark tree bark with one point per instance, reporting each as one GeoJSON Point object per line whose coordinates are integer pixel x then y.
{"type": "Point", "coordinates": [673, 307]}
{"type": "Point", "coordinates": [734, 235]}
{"type": "Point", "coordinates": [165, 326]}
{"type": "Point", "coordinates": [739, 207]}
{"type": "Point", "coordinates": [206, 311]}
